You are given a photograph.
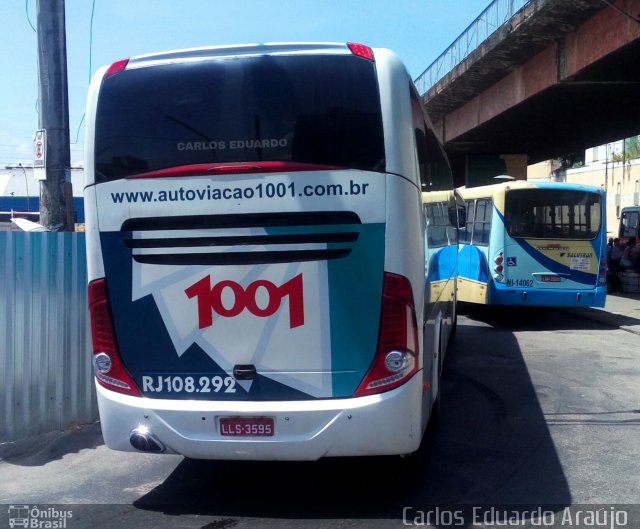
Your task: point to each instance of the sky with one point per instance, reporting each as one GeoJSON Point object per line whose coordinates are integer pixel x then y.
{"type": "Point", "coordinates": [417, 30]}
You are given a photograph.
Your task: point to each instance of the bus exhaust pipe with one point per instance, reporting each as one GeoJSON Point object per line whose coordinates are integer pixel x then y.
{"type": "Point", "coordinates": [142, 439]}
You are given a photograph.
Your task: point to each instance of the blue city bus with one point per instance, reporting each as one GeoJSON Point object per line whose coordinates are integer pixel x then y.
{"type": "Point", "coordinates": [535, 244]}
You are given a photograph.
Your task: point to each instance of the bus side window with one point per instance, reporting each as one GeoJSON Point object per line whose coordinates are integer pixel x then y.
{"type": "Point", "coordinates": [421, 141]}
{"type": "Point", "coordinates": [465, 235]}
{"type": "Point", "coordinates": [457, 212]}
{"type": "Point", "coordinates": [435, 172]}
{"type": "Point", "coordinates": [425, 180]}
{"type": "Point", "coordinates": [482, 224]}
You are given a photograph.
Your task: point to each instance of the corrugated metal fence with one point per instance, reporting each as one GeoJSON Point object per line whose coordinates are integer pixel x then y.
{"type": "Point", "coordinates": [46, 381]}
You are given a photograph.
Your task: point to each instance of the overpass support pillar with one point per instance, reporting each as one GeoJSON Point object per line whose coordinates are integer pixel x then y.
{"type": "Point", "coordinates": [474, 170]}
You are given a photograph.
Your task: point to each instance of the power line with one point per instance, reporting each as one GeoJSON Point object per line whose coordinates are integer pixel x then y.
{"type": "Point", "coordinates": [93, 9]}
{"type": "Point", "coordinates": [26, 8]}
{"type": "Point", "coordinates": [78, 131]}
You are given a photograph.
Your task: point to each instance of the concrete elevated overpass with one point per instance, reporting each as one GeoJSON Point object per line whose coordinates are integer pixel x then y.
{"type": "Point", "coordinates": [557, 77]}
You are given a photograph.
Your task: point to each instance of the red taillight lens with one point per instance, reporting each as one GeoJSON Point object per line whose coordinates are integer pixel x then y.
{"type": "Point", "coordinates": [603, 266]}
{"type": "Point", "coordinates": [111, 372]}
{"type": "Point", "coordinates": [396, 358]}
{"type": "Point", "coordinates": [361, 50]}
{"type": "Point", "coordinates": [101, 324]}
{"type": "Point", "coordinates": [116, 67]}
{"type": "Point", "coordinates": [499, 269]}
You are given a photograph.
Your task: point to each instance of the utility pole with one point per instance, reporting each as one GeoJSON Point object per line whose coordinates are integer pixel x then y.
{"type": "Point", "coordinates": [56, 205]}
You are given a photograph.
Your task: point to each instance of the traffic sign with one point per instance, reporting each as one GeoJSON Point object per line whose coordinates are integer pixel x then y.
{"type": "Point", "coordinates": [40, 148]}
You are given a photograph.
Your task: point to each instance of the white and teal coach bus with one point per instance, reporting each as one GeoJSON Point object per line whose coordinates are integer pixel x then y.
{"type": "Point", "coordinates": [258, 250]}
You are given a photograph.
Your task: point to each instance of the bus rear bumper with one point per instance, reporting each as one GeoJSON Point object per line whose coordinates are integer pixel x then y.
{"type": "Point", "coordinates": [549, 297]}
{"type": "Point", "coordinates": [386, 424]}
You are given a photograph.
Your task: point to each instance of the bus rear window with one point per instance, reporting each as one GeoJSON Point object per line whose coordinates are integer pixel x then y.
{"type": "Point", "coordinates": [552, 214]}
{"type": "Point", "coordinates": [322, 110]}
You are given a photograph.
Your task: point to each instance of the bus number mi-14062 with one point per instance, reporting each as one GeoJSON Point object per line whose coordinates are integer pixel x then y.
{"type": "Point", "coordinates": [525, 283]}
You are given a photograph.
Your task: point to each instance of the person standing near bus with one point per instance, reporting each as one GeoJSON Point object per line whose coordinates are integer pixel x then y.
{"type": "Point", "coordinates": [614, 255]}
{"type": "Point", "coordinates": [630, 254]}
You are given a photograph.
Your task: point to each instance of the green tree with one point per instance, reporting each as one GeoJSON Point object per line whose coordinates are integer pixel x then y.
{"type": "Point", "coordinates": [631, 150]}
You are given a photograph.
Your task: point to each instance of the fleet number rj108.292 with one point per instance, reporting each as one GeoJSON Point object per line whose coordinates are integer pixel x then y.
{"type": "Point", "coordinates": [188, 384]}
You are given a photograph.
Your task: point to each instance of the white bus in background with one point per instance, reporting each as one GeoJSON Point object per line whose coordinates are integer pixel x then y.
{"type": "Point", "coordinates": [258, 253]}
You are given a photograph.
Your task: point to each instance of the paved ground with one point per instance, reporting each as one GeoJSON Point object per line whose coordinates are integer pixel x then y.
{"type": "Point", "coordinates": [540, 406]}
{"type": "Point", "coordinates": [621, 310]}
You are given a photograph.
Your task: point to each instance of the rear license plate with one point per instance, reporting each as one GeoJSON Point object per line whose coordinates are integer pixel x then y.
{"type": "Point", "coordinates": [551, 279]}
{"type": "Point", "coordinates": [247, 426]}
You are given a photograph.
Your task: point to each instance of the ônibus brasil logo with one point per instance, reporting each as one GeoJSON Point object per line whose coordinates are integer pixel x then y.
{"type": "Point", "coordinates": [38, 517]}
{"type": "Point", "coordinates": [209, 299]}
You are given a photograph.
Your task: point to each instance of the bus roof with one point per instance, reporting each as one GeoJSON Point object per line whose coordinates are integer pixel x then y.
{"type": "Point", "coordinates": [490, 190]}
{"type": "Point", "coordinates": [216, 52]}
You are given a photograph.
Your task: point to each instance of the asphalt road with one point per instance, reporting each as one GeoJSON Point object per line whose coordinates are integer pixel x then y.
{"type": "Point", "coordinates": [540, 408]}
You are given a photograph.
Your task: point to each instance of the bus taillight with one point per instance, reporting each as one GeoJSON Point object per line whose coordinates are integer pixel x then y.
{"type": "Point", "coordinates": [360, 50]}
{"type": "Point", "coordinates": [396, 358]}
{"type": "Point", "coordinates": [107, 364]}
{"type": "Point", "coordinates": [498, 268]}
{"type": "Point", "coordinates": [116, 67]}
{"type": "Point", "coordinates": [604, 267]}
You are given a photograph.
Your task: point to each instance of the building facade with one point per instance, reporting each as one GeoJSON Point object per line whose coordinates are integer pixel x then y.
{"type": "Point", "coordinates": [615, 167]}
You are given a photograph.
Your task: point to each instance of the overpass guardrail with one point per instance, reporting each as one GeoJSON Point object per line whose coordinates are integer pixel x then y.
{"type": "Point", "coordinates": [494, 16]}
